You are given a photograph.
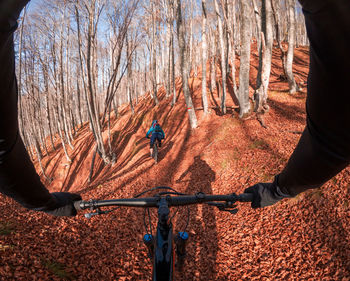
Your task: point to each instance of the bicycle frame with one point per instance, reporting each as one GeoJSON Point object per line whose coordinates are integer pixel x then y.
{"type": "Point", "coordinates": [164, 254]}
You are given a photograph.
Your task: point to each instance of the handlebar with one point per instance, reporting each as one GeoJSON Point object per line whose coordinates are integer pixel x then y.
{"type": "Point", "coordinates": [152, 202]}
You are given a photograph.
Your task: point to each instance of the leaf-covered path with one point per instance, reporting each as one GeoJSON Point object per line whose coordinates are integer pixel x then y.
{"type": "Point", "coordinates": [305, 238]}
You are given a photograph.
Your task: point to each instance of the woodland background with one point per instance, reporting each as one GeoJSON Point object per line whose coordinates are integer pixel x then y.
{"type": "Point", "coordinates": [78, 61]}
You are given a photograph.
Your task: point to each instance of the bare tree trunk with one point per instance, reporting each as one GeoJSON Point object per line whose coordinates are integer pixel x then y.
{"type": "Point", "coordinates": [204, 58]}
{"type": "Point", "coordinates": [154, 66]}
{"type": "Point", "coordinates": [69, 99]}
{"type": "Point", "coordinates": [212, 63]}
{"type": "Point", "coordinates": [72, 121]}
{"type": "Point", "coordinates": [169, 24]}
{"type": "Point", "coordinates": [288, 69]}
{"type": "Point", "coordinates": [258, 17]}
{"type": "Point", "coordinates": [56, 104]}
{"type": "Point", "coordinates": [59, 125]}
{"type": "Point", "coordinates": [91, 90]}
{"type": "Point", "coordinates": [222, 32]}
{"type": "Point", "coordinates": [62, 87]}
{"type": "Point", "coordinates": [293, 87]}
{"type": "Point", "coordinates": [46, 83]}
{"type": "Point", "coordinates": [184, 62]}
{"type": "Point", "coordinates": [191, 38]}
{"type": "Point", "coordinates": [230, 23]}
{"type": "Point", "coordinates": [173, 59]}
{"type": "Point", "coordinates": [38, 153]}
{"type": "Point", "coordinates": [265, 57]}
{"type": "Point", "coordinates": [115, 107]}
{"type": "Point", "coordinates": [79, 107]}
{"type": "Point", "coordinates": [145, 72]}
{"type": "Point", "coordinates": [129, 76]}
{"type": "Point", "coordinates": [243, 94]}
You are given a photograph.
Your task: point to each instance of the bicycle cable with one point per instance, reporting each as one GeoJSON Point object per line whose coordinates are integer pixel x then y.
{"type": "Point", "coordinates": [157, 188]}
{"type": "Point", "coordinates": [171, 191]}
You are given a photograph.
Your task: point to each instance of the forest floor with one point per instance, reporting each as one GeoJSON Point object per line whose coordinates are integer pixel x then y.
{"type": "Point", "coordinates": [304, 238]}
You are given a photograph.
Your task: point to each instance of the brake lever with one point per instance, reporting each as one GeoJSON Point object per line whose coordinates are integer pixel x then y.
{"type": "Point", "coordinates": [225, 207]}
{"type": "Point", "coordinates": [99, 212]}
{"type": "Point", "coordinates": [90, 215]}
{"type": "Point", "coordinates": [232, 211]}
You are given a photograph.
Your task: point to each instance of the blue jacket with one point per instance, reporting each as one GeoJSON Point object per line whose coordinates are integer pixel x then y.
{"type": "Point", "coordinates": [155, 128]}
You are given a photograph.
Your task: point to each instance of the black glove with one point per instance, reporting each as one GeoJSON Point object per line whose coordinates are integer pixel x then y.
{"type": "Point", "coordinates": [266, 194]}
{"type": "Point", "coordinates": [62, 205]}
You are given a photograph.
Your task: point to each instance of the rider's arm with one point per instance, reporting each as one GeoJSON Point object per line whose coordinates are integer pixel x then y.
{"type": "Point", "coordinates": [149, 131]}
{"type": "Point", "coordinates": [18, 178]}
{"type": "Point", "coordinates": [324, 147]}
{"type": "Point", "coordinates": [163, 134]}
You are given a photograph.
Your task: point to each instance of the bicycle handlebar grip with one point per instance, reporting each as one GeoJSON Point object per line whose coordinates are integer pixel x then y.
{"type": "Point", "coordinates": [246, 197]}
{"type": "Point", "coordinates": [77, 205]}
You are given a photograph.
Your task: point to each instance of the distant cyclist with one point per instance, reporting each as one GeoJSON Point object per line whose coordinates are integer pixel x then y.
{"type": "Point", "coordinates": [156, 133]}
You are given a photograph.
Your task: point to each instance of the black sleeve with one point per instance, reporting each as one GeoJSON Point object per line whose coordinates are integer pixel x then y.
{"type": "Point", "coordinates": [324, 147]}
{"type": "Point", "coordinates": [18, 178]}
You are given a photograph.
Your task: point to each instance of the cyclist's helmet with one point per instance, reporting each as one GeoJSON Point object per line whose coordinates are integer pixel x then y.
{"type": "Point", "coordinates": [154, 123]}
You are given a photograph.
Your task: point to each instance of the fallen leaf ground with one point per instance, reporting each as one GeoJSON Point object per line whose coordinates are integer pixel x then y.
{"type": "Point", "coordinates": [305, 238]}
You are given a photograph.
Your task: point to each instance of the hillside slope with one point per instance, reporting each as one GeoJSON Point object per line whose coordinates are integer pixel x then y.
{"type": "Point", "coordinates": [305, 238]}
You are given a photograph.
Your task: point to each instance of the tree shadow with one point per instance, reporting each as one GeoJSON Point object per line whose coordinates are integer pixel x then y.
{"type": "Point", "coordinates": [305, 51]}
{"type": "Point", "coordinates": [53, 154]}
{"type": "Point", "coordinates": [202, 220]}
{"type": "Point", "coordinates": [165, 150]}
{"type": "Point", "coordinates": [292, 113]}
{"type": "Point", "coordinates": [231, 91]}
{"type": "Point", "coordinates": [121, 140]}
{"type": "Point", "coordinates": [300, 62]}
{"type": "Point", "coordinates": [80, 155]}
{"type": "Point", "coordinates": [213, 99]}
{"type": "Point", "coordinates": [265, 146]}
{"type": "Point", "coordinates": [112, 175]}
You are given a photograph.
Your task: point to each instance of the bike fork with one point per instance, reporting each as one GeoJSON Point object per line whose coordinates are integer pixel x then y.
{"type": "Point", "coordinates": [180, 242]}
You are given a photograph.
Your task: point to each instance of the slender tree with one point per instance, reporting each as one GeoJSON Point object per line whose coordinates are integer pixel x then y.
{"type": "Point", "coordinates": [223, 50]}
{"type": "Point", "coordinates": [286, 55]}
{"type": "Point", "coordinates": [184, 66]}
{"type": "Point", "coordinates": [265, 57]}
{"type": "Point", "coordinates": [154, 64]}
{"type": "Point", "coordinates": [204, 58]}
{"type": "Point", "coordinates": [243, 93]}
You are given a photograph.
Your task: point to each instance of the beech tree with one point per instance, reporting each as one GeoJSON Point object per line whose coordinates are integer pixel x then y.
{"type": "Point", "coordinates": [231, 25]}
{"type": "Point", "coordinates": [265, 57]}
{"type": "Point", "coordinates": [246, 35]}
{"type": "Point", "coordinates": [286, 55]}
{"type": "Point", "coordinates": [185, 65]}
{"type": "Point", "coordinates": [223, 50]}
{"type": "Point", "coordinates": [204, 58]}
{"type": "Point", "coordinates": [154, 54]}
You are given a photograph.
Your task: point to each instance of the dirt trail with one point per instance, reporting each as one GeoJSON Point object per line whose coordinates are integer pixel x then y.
{"type": "Point", "coordinates": [306, 238]}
